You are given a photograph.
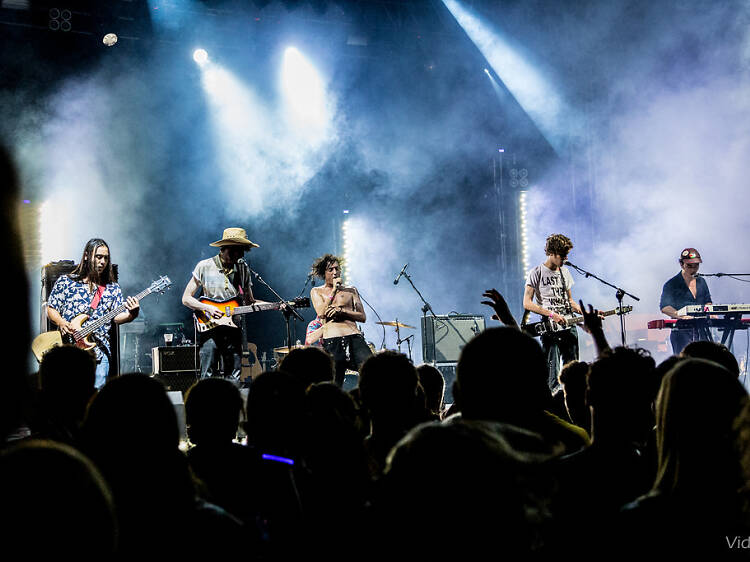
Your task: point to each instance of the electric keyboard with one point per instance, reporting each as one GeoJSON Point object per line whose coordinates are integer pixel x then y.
{"type": "Point", "coordinates": [674, 324]}
{"type": "Point", "coordinates": [708, 309]}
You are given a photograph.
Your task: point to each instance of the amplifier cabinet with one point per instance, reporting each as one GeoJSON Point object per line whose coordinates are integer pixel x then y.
{"type": "Point", "coordinates": [443, 337]}
{"type": "Point", "coordinates": [175, 359]}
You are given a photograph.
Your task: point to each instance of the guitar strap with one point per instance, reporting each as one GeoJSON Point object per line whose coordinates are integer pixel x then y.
{"type": "Point", "coordinates": [96, 299]}
{"type": "Point", "coordinates": [568, 309]}
{"type": "Point", "coordinates": [239, 276]}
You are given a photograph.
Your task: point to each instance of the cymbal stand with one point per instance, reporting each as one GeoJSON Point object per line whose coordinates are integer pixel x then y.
{"type": "Point", "coordinates": [399, 341]}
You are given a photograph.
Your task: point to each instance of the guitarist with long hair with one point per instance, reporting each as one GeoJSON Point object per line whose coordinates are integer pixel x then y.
{"type": "Point", "coordinates": [91, 289]}
{"type": "Point", "coordinates": [548, 294]}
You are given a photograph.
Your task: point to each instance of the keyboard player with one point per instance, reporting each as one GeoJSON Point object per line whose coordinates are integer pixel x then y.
{"type": "Point", "coordinates": [686, 289]}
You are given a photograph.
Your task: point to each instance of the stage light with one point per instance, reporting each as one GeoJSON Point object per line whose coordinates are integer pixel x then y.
{"type": "Point", "coordinates": [109, 39]}
{"type": "Point", "coordinates": [305, 96]}
{"type": "Point", "coordinates": [521, 76]}
{"type": "Point", "coordinates": [523, 227]}
{"type": "Point", "coordinates": [345, 244]}
{"type": "Point", "coordinates": [200, 56]}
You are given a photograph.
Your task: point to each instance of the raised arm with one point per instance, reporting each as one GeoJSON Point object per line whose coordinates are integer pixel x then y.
{"type": "Point", "coordinates": [498, 304]}
{"type": "Point", "coordinates": [592, 323]}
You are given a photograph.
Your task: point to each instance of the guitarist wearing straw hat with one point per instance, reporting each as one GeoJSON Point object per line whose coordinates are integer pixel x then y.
{"type": "Point", "coordinates": [92, 289]}
{"type": "Point", "coordinates": [222, 277]}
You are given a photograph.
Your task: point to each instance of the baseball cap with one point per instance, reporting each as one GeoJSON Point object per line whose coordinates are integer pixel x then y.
{"type": "Point", "coordinates": [690, 255]}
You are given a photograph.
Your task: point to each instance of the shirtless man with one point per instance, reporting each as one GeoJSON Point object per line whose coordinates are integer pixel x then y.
{"type": "Point", "coordinates": [339, 308]}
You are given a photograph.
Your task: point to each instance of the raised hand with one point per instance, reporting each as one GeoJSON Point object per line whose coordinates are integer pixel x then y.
{"type": "Point", "coordinates": [498, 304]}
{"type": "Point", "coordinates": [592, 323]}
{"type": "Point", "coordinates": [592, 320]}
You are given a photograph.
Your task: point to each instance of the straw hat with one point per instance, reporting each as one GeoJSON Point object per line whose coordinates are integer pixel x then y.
{"type": "Point", "coordinates": [234, 237]}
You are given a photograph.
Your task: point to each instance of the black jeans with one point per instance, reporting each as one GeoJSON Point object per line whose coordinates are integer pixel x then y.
{"type": "Point", "coordinates": [559, 345]}
{"type": "Point", "coordinates": [225, 343]}
{"type": "Point", "coordinates": [695, 330]}
{"type": "Point", "coordinates": [348, 352]}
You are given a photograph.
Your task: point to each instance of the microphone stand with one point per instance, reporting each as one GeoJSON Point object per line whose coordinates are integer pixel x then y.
{"type": "Point", "coordinates": [619, 294]}
{"type": "Point", "coordinates": [426, 306]}
{"type": "Point", "coordinates": [309, 278]}
{"type": "Point", "coordinates": [288, 310]}
{"type": "Point", "coordinates": [723, 275]}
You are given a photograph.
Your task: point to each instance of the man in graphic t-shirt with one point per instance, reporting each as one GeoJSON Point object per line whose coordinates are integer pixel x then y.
{"type": "Point", "coordinates": [548, 294]}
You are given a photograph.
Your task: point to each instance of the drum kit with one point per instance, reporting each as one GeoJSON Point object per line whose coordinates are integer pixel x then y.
{"type": "Point", "coordinates": [398, 325]}
{"type": "Point", "coordinates": [280, 352]}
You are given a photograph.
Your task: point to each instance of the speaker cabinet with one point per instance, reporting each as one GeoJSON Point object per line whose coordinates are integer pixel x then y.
{"type": "Point", "coordinates": [179, 408]}
{"type": "Point", "coordinates": [175, 359]}
{"type": "Point", "coordinates": [443, 337]}
{"type": "Point", "coordinates": [448, 370]}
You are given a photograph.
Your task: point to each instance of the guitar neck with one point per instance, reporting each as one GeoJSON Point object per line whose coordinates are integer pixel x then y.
{"type": "Point", "coordinates": [579, 319]}
{"type": "Point", "coordinates": [102, 320]}
{"type": "Point", "coordinates": [256, 307]}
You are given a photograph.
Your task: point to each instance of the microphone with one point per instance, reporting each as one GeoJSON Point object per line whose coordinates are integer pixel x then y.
{"type": "Point", "coordinates": [403, 270]}
{"type": "Point", "coordinates": [566, 262]}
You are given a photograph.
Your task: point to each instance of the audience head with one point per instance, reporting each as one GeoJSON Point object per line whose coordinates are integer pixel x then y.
{"type": "Point", "coordinates": [485, 487]}
{"type": "Point", "coordinates": [572, 378]}
{"type": "Point", "coordinates": [501, 375]}
{"type": "Point", "coordinates": [67, 374]}
{"type": "Point", "coordinates": [388, 386]}
{"type": "Point", "coordinates": [131, 413]}
{"type": "Point", "coordinates": [55, 503]}
{"type": "Point", "coordinates": [619, 382]}
{"type": "Point", "coordinates": [16, 392]}
{"type": "Point", "coordinates": [433, 383]}
{"type": "Point", "coordinates": [713, 351]}
{"type": "Point", "coordinates": [309, 364]}
{"type": "Point", "coordinates": [213, 407]}
{"type": "Point", "coordinates": [275, 411]}
{"type": "Point", "coordinates": [696, 409]}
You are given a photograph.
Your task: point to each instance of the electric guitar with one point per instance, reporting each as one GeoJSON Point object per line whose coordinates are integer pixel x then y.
{"type": "Point", "coordinates": [548, 325]}
{"type": "Point", "coordinates": [232, 307]}
{"type": "Point", "coordinates": [83, 335]}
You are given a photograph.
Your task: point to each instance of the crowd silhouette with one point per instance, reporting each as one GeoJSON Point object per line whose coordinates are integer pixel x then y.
{"type": "Point", "coordinates": [639, 457]}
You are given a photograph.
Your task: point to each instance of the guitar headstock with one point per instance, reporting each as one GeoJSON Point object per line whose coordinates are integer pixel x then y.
{"type": "Point", "coordinates": [624, 309]}
{"type": "Point", "coordinates": [160, 285]}
{"type": "Point", "coordinates": [302, 302]}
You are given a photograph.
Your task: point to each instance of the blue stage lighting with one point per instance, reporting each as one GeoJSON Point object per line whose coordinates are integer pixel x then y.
{"type": "Point", "coordinates": [200, 56]}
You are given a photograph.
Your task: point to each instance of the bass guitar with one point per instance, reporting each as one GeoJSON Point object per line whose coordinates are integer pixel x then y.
{"type": "Point", "coordinates": [548, 325]}
{"type": "Point", "coordinates": [232, 307]}
{"type": "Point", "coordinates": [83, 335]}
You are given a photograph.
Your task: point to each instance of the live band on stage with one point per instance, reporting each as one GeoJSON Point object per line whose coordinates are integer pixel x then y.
{"type": "Point", "coordinates": [83, 303]}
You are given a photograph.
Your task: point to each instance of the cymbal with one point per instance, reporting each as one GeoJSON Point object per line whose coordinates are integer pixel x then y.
{"type": "Point", "coordinates": [395, 324]}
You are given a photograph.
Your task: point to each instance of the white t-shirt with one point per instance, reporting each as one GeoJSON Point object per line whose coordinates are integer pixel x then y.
{"type": "Point", "coordinates": [548, 287]}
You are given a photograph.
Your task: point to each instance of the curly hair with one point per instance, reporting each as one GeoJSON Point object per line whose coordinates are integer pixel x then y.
{"type": "Point", "coordinates": [558, 244]}
{"type": "Point", "coordinates": [320, 265]}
